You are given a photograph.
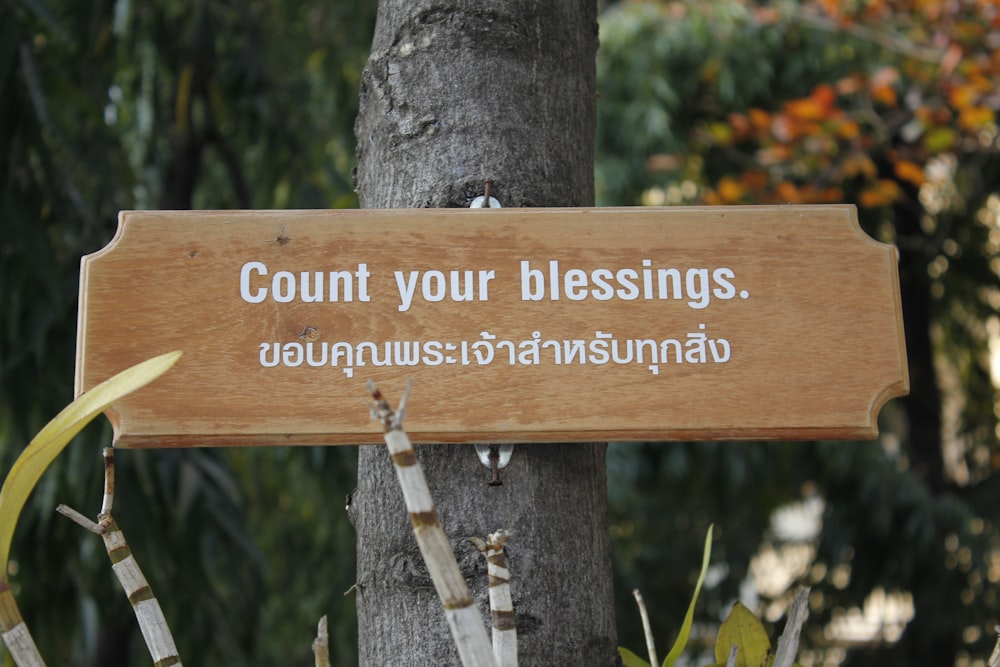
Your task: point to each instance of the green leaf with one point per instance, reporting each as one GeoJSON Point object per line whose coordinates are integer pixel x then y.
{"type": "Point", "coordinates": [55, 435]}
{"type": "Point", "coordinates": [630, 659]}
{"type": "Point", "coordinates": [940, 139]}
{"type": "Point", "coordinates": [682, 638]}
{"type": "Point", "coordinates": [747, 632]}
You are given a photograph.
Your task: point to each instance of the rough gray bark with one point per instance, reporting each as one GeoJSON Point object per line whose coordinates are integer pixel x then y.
{"type": "Point", "coordinates": [455, 93]}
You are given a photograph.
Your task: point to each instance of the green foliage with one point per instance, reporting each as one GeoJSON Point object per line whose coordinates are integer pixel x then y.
{"type": "Point", "coordinates": [850, 100]}
{"type": "Point", "coordinates": [741, 629]}
{"type": "Point", "coordinates": [50, 441]}
{"type": "Point", "coordinates": [744, 631]}
{"type": "Point", "coordinates": [112, 105]}
{"type": "Point", "coordinates": [632, 660]}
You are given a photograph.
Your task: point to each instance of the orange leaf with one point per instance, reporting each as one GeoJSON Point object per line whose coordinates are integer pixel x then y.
{"type": "Point", "coordinates": [962, 97]}
{"type": "Point", "coordinates": [974, 118]}
{"type": "Point", "coordinates": [850, 84]}
{"type": "Point", "coordinates": [884, 76]}
{"type": "Point", "coordinates": [831, 7]}
{"type": "Point", "coordinates": [881, 85]}
{"type": "Point", "coordinates": [730, 191]}
{"type": "Point", "coordinates": [774, 154]}
{"type": "Point", "coordinates": [787, 192]}
{"type": "Point", "coordinates": [885, 95]}
{"type": "Point", "coordinates": [806, 108]}
{"type": "Point", "coordinates": [859, 164]}
{"type": "Point", "coordinates": [761, 120]}
{"type": "Point", "coordinates": [848, 129]}
{"type": "Point", "coordinates": [910, 172]}
{"type": "Point", "coordinates": [741, 126]}
{"type": "Point", "coordinates": [755, 180]}
{"type": "Point", "coordinates": [883, 193]}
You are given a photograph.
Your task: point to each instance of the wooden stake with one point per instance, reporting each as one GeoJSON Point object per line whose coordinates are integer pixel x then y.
{"type": "Point", "coordinates": [463, 618]}
{"type": "Point", "coordinates": [501, 604]}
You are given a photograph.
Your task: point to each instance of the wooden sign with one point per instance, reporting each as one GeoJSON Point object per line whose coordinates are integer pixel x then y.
{"type": "Point", "coordinates": [517, 325]}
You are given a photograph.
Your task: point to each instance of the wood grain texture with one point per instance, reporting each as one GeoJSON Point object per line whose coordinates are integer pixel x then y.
{"type": "Point", "coordinates": [807, 304]}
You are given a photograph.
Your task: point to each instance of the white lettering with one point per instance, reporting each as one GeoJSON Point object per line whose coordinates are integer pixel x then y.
{"type": "Point", "coordinates": [696, 286]}
{"type": "Point", "coordinates": [261, 293]}
{"type": "Point", "coordinates": [406, 289]}
{"type": "Point", "coordinates": [575, 280]}
{"type": "Point", "coordinates": [308, 287]}
{"type": "Point", "coordinates": [284, 294]}
{"type": "Point", "coordinates": [532, 283]}
{"type": "Point", "coordinates": [433, 292]}
{"type": "Point", "coordinates": [362, 275]}
{"type": "Point", "coordinates": [484, 284]}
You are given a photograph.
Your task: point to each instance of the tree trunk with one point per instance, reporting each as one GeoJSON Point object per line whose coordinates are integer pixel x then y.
{"type": "Point", "coordinates": [456, 93]}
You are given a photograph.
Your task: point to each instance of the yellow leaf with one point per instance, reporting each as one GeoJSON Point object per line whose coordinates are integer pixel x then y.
{"type": "Point", "coordinates": [630, 659]}
{"type": "Point", "coordinates": [721, 133]}
{"type": "Point", "coordinates": [975, 118]}
{"type": "Point", "coordinates": [744, 630]}
{"type": "Point", "coordinates": [55, 435]}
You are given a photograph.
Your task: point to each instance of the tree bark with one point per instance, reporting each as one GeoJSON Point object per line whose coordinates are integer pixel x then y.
{"type": "Point", "coordinates": [457, 92]}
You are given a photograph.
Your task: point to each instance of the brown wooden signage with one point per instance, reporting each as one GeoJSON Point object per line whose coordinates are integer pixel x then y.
{"type": "Point", "coordinates": [526, 325]}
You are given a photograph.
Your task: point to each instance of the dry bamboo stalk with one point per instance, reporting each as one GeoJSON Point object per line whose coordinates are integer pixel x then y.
{"type": "Point", "coordinates": [15, 633]}
{"type": "Point", "coordinates": [321, 645]}
{"type": "Point", "coordinates": [788, 642]}
{"type": "Point", "coordinates": [146, 607]}
{"type": "Point", "coordinates": [646, 628]}
{"type": "Point", "coordinates": [504, 628]}
{"type": "Point", "coordinates": [466, 627]}
{"type": "Point", "coordinates": [995, 656]}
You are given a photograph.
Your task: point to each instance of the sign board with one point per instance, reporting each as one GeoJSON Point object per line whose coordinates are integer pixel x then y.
{"type": "Point", "coordinates": [515, 325]}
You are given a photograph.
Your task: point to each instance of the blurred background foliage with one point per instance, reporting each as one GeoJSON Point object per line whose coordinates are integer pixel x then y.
{"type": "Point", "coordinates": [111, 105]}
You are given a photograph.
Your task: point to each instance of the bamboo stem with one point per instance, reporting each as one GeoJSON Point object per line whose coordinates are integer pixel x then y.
{"type": "Point", "coordinates": [994, 660]}
{"type": "Point", "coordinates": [152, 622]}
{"type": "Point", "coordinates": [502, 620]}
{"type": "Point", "coordinates": [15, 633]}
{"type": "Point", "coordinates": [646, 628]}
{"type": "Point", "coordinates": [734, 651]}
{"type": "Point", "coordinates": [788, 642]}
{"type": "Point", "coordinates": [466, 627]}
{"type": "Point", "coordinates": [321, 645]}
